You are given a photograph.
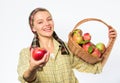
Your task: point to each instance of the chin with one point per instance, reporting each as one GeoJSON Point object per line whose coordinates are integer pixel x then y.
{"type": "Point", "coordinates": [49, 34]}
{"type": "Point", "coordinates": [46, 33]}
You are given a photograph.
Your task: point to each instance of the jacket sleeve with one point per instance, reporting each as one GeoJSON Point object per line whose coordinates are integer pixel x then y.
{"type": "Point", "coordinates": [83, 66]}
{"type": "Point", "coordinates": [23, 64]}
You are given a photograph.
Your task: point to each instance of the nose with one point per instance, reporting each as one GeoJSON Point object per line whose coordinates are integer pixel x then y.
{"type": "Point", "coordinates": [46, 22]}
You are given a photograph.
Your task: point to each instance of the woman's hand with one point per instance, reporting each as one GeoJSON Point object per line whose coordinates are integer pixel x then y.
{"type": "Point", "coordinates": [40, 63]}
{"type": "Point", "coordinates": [30, 74]}
{"type": "Point", "coordinates": [112, 33]}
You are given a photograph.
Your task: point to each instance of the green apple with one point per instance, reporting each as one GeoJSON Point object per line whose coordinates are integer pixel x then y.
{"type": "Point", "coordinates": [77, 38]}
{"type": "Point", "coordinates": [78, 31]}
{"type": "Point", "coordinates": [101, 46]}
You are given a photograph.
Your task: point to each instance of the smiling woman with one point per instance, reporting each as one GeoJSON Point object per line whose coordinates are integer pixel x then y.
{"type": "Point", "coordinates": [16, 34]}
{"type": "Point", "coordinates": [49, 69]}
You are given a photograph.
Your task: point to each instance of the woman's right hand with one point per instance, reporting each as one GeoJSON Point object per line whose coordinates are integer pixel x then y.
{"type": "Point", "coordinates": [36, 64]}
{"type": "Point", "coordinates": [30, 74]}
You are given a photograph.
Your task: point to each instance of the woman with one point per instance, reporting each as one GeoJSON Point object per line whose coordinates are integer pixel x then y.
{"type": "Point", "coordinates": [57, 64]}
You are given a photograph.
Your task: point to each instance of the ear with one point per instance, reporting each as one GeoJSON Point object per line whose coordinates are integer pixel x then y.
{"type": "Point", "coordinates": [33, 29]}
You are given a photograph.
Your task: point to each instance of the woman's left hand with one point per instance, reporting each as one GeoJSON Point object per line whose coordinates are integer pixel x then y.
{"type": "Point", "coordinates": [112, 33]}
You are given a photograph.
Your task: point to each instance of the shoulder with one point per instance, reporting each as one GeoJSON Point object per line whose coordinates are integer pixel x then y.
{"type": "Point", "coordinates": [66, 44]}
{"type": "Point", "coordinates": [25, 51]}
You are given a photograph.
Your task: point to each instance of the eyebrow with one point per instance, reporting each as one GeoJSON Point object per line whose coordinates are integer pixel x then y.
{"type": "Point", "coordinates": [47, 18]}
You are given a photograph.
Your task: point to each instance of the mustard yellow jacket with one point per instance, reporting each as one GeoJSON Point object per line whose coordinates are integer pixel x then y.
{"type": "Point", "coordinates": [59, 68]}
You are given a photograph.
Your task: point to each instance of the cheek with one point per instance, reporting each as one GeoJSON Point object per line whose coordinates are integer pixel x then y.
{"type": "Point", "coordinates": [36, 28]}
{"type": "Point", "coordinates": [52, 24]}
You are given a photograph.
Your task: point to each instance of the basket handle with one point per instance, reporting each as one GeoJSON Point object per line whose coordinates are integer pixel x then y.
{"type": "Point", "coordinates": [90, 19]}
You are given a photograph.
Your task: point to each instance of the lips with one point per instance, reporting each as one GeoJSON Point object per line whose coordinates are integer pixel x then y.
{"type": "Point", "coordinates": [48, 29]}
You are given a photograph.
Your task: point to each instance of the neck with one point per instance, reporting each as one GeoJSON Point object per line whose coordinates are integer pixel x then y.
{"type": "Point", "coordinates": [47, 43]}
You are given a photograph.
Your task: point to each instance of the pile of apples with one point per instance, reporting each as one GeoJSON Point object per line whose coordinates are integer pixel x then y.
{"type": "Point", "coordinates": [84, 40]}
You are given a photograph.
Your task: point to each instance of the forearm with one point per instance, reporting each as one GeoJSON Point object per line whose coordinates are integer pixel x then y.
{"type": "Point", "coordinates": [104, 60]}
{"type": "Point", "coordinates": [108, 51]}
{"type": "Point", "coordinates": [29, 75]}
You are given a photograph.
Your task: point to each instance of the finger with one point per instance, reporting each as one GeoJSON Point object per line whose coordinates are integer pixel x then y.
{"type": "Point", "coordinates": [42, 65]}
{"type": "Point", "coordinates": [112, 30]}
{"type": "Point", "coordinates": [43, 60]}
{"type": "Point", "coordinates": [31, 50]}
{"type": "Point", "coordinates": [112, 33]}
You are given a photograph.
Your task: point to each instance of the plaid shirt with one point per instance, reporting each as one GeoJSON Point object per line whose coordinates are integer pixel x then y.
{"type": "Point", "coordinates": [59, 68]}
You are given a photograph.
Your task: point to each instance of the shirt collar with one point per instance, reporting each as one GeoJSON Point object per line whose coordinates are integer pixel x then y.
{"type": "Point", "coordinates": [62, 45]}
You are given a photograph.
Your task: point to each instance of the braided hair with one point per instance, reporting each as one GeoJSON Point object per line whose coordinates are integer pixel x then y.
{"type": "Point", "coordinates": [35, 41]}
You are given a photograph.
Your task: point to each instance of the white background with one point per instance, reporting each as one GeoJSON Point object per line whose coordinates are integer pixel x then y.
{"type": "Point", "coordinates": [15, 33]}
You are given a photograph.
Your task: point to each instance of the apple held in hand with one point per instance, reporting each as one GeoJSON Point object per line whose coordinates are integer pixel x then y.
{"type": "Point", "coordinates": [38, 53]}
{"type": "Point", "coordinates": [101, 47]}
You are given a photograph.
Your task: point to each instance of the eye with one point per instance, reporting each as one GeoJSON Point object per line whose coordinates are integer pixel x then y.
{"type": "Point", "coordinates": [49, 19]}
{"type": "Point", "coordinates": [40, 22]}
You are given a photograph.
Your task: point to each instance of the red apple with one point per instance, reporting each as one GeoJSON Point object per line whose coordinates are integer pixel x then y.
{"type": "Point", "coordinates": [89, 47]}
{"type": "Point", "coordinates": [87, 36]}
{"type": "Point", "coordinates": [101, 47]}
{"type": "Point", "coordinates": [96, 53]}
{"type": "Point", "coordinates": [38, 53]}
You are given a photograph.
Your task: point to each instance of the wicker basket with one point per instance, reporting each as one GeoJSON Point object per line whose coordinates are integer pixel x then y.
{"type": "Point", "coordinates": [80, 52]}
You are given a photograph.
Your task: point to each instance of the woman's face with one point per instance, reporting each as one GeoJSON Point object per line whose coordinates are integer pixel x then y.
{"type": "Point", "coordinates": [43, 24]}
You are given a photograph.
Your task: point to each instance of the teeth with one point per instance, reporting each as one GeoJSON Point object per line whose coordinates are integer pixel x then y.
{"type": "Point", "coordinates": [48, 29]}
